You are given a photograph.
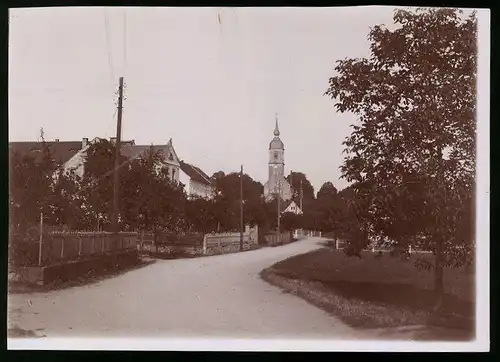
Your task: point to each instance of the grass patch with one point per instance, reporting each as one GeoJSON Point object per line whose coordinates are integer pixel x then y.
{"type": "Point", "coordinates": [19, 287]}
{"type": "Point", "coordinates": [371, 293]}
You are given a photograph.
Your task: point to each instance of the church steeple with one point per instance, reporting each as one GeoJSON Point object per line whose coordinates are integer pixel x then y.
{"type": "Point", "coordinates": [276, 129]}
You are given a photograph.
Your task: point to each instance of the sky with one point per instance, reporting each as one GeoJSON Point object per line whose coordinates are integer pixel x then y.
{"type": "Point", "coordinates": [213, 87]}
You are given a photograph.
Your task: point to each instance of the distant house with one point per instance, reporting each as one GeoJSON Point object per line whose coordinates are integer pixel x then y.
{"type": "Point", "coordinates": [61, 151]}
{"type": "Point", "coordinates": [72, 155]}
{"type": "Point", "coordinates": [291, 206]}
{"type": "Point", "coordinates": [171, 160]}
{"type": "Point", "coordinates": [196, 182]}
{"type": "Point", "coordinates": [130, 150]}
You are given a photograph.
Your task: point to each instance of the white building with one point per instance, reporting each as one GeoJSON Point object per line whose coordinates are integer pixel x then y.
{"type": "Point", "coordinates": [130, 150]}
{"type": "Point", "coordinates": [291, 206]}
{"type": "Point", "coordinates": [196, 182]}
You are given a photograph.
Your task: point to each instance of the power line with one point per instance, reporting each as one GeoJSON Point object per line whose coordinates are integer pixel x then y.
{"type": "Point", "coordinates": [125, 42]}
{"type": "Point", "coordinates": [113, 120]}
{"type": "Point", "coordinates": [108, 43]}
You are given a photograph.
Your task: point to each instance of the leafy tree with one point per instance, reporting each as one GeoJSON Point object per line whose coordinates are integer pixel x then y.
{"type": "Point", "coordinates": [218, 175]}
{"type": "Point", "coordinates": [98, 169]}
{"type": "Point", "coordinates": [327, 192]}
{"type": "Point", "coordinates": [412, 154]}
{"type": "Point", "coordinates": [295, 179]}
{"type": "Point", "coordinates": [200, 214]}
{"type": "Point", "coordinates": [227, 201]}
{"type": "Point", "coordinates": [148, 197]}
{"type": "Point", "coordinates": [313, 216]}
{"type": "Point", "coordinates": [290, 221]}
{"type": "Point", "coordinates": [67, 202]}
{"type": "Point", "coordinates": [31, 187]}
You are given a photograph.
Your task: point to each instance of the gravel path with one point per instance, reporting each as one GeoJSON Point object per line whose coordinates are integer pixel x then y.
{"type": "Point", "coordinates": [218, 296]}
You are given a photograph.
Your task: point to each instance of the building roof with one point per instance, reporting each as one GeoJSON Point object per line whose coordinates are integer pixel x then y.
{"type": "Point", "coordinates": [276, 143]}
{"type": "Point", "coordinates": [135, 151]}
{"type": "Point", "coordinates": [195, 173]}
{"type": "Point", "coordinates": [61, 151]}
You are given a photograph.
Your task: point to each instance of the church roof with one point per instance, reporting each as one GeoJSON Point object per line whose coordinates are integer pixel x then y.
{"type": "Point", "coordinates": [276, 143]}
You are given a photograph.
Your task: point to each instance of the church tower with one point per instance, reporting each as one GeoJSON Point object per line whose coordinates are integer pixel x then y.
{"type": "Point", "coordinates": [276, 183]}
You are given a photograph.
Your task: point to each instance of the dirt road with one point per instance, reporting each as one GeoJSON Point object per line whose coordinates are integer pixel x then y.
{"type": "Point", "coordinates": [219, 296]}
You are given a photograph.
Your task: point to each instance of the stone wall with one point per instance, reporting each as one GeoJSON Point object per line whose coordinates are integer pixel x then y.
{"type": "Point", "coordinates": [224, 243]}
{"type": "Point", "coordinates": [172, 250]}
{"type": "Point", "coordinates": [79, 268]}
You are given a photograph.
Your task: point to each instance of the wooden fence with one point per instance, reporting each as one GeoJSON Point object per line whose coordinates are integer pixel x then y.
{"type": "Point", "coordinates": [273, 239]}
{"type": "Point", "coordinates": [169, 238]}
{"type": "Point", "coordinates": [60, 247]}
{"type": "Point", "coordinates": [222, 243]}
{"type": "Point", "coordinates": [340, 245]}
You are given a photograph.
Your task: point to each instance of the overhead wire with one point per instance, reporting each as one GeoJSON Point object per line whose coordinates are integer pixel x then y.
{"type": "Point", "coordinates": [124, 42]}
{"type": "Point", "coordinates": [108, 44]}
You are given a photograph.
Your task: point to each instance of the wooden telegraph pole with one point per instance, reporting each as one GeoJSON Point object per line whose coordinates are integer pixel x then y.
{"type": "Point", "coordinates": [279, 207]}
{"type": "Point", "coordinates": [116, 180]}
{"type": "Point", "coordinates": [241, 208]}
{"type": "Point", "coordinates": [301, 195]}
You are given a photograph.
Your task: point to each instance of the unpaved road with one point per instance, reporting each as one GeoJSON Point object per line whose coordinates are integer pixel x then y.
{"type": "Point", "coordinates": [218, 296]}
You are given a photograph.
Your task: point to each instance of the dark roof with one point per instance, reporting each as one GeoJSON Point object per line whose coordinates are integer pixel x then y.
{"type": "Point", "coordinates": [285, 204]}
{"type": "Point", "coordinates": [61, 151]}
{"type": "Point", "coordinates": [135, 151]}
{"type": "Point", "coordinates": [195, 173]}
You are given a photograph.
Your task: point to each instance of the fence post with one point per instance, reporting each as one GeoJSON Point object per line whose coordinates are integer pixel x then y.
{"type": "Point", "coordinates": [337, 244]}
{"type": "Point", "coordinates": [93, 243]}
{"type": "Point", "coordinates": [142, 241]}
{"type": "Point", "coordinates": [204, 243]}
{"type": "Point", "coordinates": [80, 246]}
{"type": "Point", "coordinates": [62, 248]}
{"type": "Point", "coordinates": [409, 249]}
{"type": "Point", "coordinates": [103, 241]}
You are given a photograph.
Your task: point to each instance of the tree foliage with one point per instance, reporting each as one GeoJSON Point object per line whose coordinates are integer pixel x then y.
{"type": "Point", "coordinates": [295, 179]}
{"type": "Point", "coordinates": [412, 154]}
{"type": "Point", "coordinates": [327, 192]}
{"type": "Point", "coordinates": [149, 199]}
{"type": "Point", "coordinates": [227, 201]}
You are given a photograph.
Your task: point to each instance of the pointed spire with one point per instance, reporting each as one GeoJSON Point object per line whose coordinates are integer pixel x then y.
{"type": "Point", "coordinates": [276, 129]}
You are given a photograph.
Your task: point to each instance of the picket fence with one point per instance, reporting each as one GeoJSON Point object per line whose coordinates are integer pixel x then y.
{"type": "Point", "coordinates": [61, 247]}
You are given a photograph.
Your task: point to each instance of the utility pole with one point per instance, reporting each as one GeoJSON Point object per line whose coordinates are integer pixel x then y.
{"type": "Point", "coordinates": [116, 181]}
{"type": "Point", "coordinates": [301, 195]}
{"type": "Point", "coordinates": [241, 208]}
{"type": "Point", "coordinates": [279, 207]}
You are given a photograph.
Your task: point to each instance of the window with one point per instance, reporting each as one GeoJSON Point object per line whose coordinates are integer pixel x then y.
{"type": "Point", "coordinates": [170, 157]}
{"type": "Point", "coordinates": [275, 155]}
{"type": "Point", "coordinates": [173, 174]}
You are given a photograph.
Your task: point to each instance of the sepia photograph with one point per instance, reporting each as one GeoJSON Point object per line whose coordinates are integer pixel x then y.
{"type": "Point", "coordinates": [249, 178]}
